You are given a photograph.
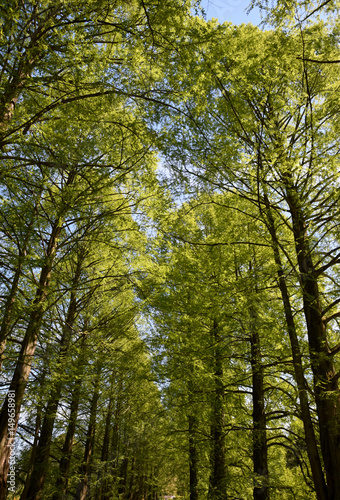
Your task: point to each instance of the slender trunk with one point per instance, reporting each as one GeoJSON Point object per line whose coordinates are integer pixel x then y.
{"type": "Point", "coordinates": [85, 470]}
{"type": "Point", "coordinates": [260, 448]}
{"type": "Point", "coordinates": [114, 451]}
{"type": "Point", "coordinates": [115, 440]}
{"type": "Point", "coordinates": [326, 387]}
{"type": "Point", "coordinates": [38, 420]}
{"type": "Point", "coordinates": [193, 479]}
{"type": "Point", "coordinates": [106, 439]}
{"type": "Point", "coordinates": [218, 479]}
{"type": "Point", "coordinates": [192, 436]}
{"type": "Point", "coordinates": [310, 438]}
{"type": "Point", "coordinates": [103, 480]}
{"type": "Point", "coordinates": [23, 495]}
{"type": "Point", "coordinates": [259, 435]}
{"type": "Point", "coordinates": [66, 454]}
{"type": "Point", "coordinates": [43, 450]}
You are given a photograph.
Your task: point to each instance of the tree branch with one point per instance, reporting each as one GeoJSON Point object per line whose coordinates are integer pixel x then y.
{"type": "Point", "coordinates": [335, 61]}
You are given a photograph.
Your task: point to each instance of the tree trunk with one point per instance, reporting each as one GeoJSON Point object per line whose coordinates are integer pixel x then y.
{"type": "Point", "coordinates": [326, 388]}
{"type": "Point", "coordinates": [192, 436]}
{"type": "Point", "coordinates": [102, 479]}
{"type": "Point", "coordinates": [66, 454]}
{"type": "Point", "coordinates": [310, 438]}
{"type": "Point", "coordinates": [38, 420]}
{"type": "Point", "coordinates": [193, 479]}
{"type": "Point", "coordinates": [260, 448]}
{"type": "Point", "coordinates": [218, 479]}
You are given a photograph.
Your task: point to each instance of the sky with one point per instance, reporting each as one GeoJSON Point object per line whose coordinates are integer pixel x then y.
{"type": "Point", "coordinates": [231, 10]}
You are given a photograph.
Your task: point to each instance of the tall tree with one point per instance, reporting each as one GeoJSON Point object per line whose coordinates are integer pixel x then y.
{"type": "Point", "coordinates": [277, 128]}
